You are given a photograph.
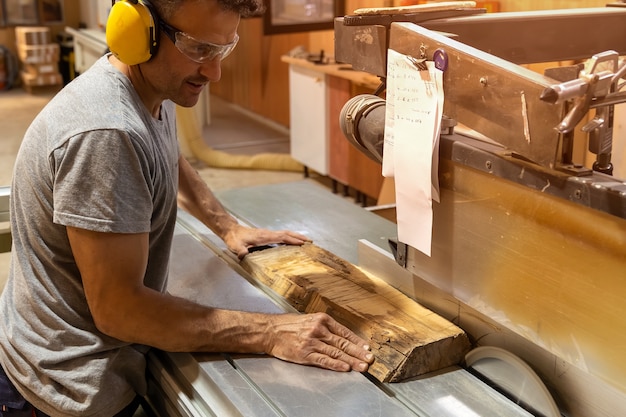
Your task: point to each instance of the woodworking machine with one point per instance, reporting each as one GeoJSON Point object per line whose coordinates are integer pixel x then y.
{"type": "Point", "coordinates": [202, 269]}
{"type": "Point", "coordinates": [528, 249]}
{"type": "Point", "coordinates": [529, 244]}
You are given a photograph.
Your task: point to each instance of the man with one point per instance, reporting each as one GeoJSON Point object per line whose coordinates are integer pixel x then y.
{"type": "Point", "coordinates": [93, 207]}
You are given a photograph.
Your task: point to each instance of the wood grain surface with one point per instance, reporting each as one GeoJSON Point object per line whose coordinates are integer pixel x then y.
{"type": "Point", "coordinates": [417, 8]}
{"type": "Point", "coordinates": [406, 338]}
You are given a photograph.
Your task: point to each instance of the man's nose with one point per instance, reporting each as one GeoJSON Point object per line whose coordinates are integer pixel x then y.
{"type": "Point", "coordinates": [212, 69]}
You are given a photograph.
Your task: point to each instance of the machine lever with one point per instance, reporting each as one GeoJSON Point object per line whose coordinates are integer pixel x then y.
{"type": "Point", "coordinates": [596, 87]}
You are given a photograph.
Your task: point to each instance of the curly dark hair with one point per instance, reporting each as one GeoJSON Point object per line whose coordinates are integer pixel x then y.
{"type": "Point", "coordinates": [245, 8]}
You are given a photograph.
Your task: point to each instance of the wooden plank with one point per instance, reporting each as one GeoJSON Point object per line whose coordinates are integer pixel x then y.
{"type": "Point", "coordinates": [359, 78]}
{"type": "Point", "coordinates": [416, 8]}
{"type": "Point", "coordinates": [407, 339]}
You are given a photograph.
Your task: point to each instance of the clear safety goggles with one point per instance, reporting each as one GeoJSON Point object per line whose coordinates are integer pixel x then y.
{"type": "Point", "coordinates": [194, 49]}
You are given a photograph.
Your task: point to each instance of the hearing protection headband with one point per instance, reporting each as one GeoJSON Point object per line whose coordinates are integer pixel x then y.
{"type": "Point", "coordinates": [133, 29]}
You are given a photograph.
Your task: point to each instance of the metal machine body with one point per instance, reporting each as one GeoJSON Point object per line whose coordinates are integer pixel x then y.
{"type": "Point", "coordinates": [203, 270]}
{"type": "Point", "coordinates": [529, 248]}
{"type": "Point", "coordinates": [517, 37]}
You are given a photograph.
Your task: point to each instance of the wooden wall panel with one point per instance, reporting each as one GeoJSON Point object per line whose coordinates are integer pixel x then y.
{"type": "Point", "coordinates": [254, 77]}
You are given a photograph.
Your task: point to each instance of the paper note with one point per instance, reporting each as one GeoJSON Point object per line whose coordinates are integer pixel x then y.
{"type": "Point", "coordinates": [411, 147]}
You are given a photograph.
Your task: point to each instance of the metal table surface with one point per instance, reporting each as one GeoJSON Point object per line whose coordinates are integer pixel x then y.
{"type": "Point", "coordinates": [333, 222]}
{"type": "Point", "coordinates": [257, 385]}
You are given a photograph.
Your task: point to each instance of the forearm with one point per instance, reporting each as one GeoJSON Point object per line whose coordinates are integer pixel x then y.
{"type": "Point", "coordinates": [178, 325]}
{"type": "Point", "coordinates": [196, 198]}
{"type": "Point", "coordinates": [112, 268]}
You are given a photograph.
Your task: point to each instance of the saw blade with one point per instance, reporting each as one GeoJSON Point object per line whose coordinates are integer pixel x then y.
{"type": "Point", "coordinates": [514, 377]}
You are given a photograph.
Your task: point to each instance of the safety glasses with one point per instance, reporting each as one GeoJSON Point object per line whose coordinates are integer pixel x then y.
{"type": "Point", "coordinates": [195, 50]}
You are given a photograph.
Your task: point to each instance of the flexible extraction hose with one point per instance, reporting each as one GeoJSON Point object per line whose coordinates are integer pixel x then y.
{"type": "Point", "coordinates": [190, 137]}
{"type": "Point", "coordinates": [362, 121]}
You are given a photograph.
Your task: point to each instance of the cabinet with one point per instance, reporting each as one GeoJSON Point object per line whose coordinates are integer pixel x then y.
{"type": "Point", "coordinates": [308, 118]}
{"type": "Point", "coordinates": [89, 46]}
{"type": "Point", "coordinates": [317, 93]}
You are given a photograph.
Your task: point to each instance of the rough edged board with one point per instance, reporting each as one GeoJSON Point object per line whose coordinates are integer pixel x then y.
{"type": "Point", "coordinates": [435, 7]}
{"type": "Point", "coordinates": [407, 339]}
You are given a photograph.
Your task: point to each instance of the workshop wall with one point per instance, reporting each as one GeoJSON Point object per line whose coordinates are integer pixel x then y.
{"type": "Point", "coordinates": [255, 78]}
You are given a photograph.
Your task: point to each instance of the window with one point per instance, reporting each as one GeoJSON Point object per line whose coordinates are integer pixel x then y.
{"type": "Point", "coordinates": [30, 12]}
{"type": "Point", "coordinates": [286, 16]}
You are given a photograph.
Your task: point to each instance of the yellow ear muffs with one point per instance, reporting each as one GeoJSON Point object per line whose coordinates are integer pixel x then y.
{"type": "Point", "coordinates": [132, 31]}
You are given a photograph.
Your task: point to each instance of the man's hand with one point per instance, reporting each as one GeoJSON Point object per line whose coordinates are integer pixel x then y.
{"type": "Point", "coordinates": [318, 340]}
{"type": "Point", "coordinates": [240, 238]}
{"type": "Point", "coordinates": [195, 197]}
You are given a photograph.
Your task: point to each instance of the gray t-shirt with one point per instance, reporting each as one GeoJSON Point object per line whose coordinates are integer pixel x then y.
{"type": "Point", "coordinates": [94, 158]}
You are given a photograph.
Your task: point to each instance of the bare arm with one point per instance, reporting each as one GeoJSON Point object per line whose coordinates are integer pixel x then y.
{"type": "Point", "coordinates": [112, 267]}
{"type": "Point", "coordinates": [195, 197]}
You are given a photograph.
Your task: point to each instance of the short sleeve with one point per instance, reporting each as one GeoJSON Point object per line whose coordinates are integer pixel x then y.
{"type": "Point", "coordinates": [102, 183]}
